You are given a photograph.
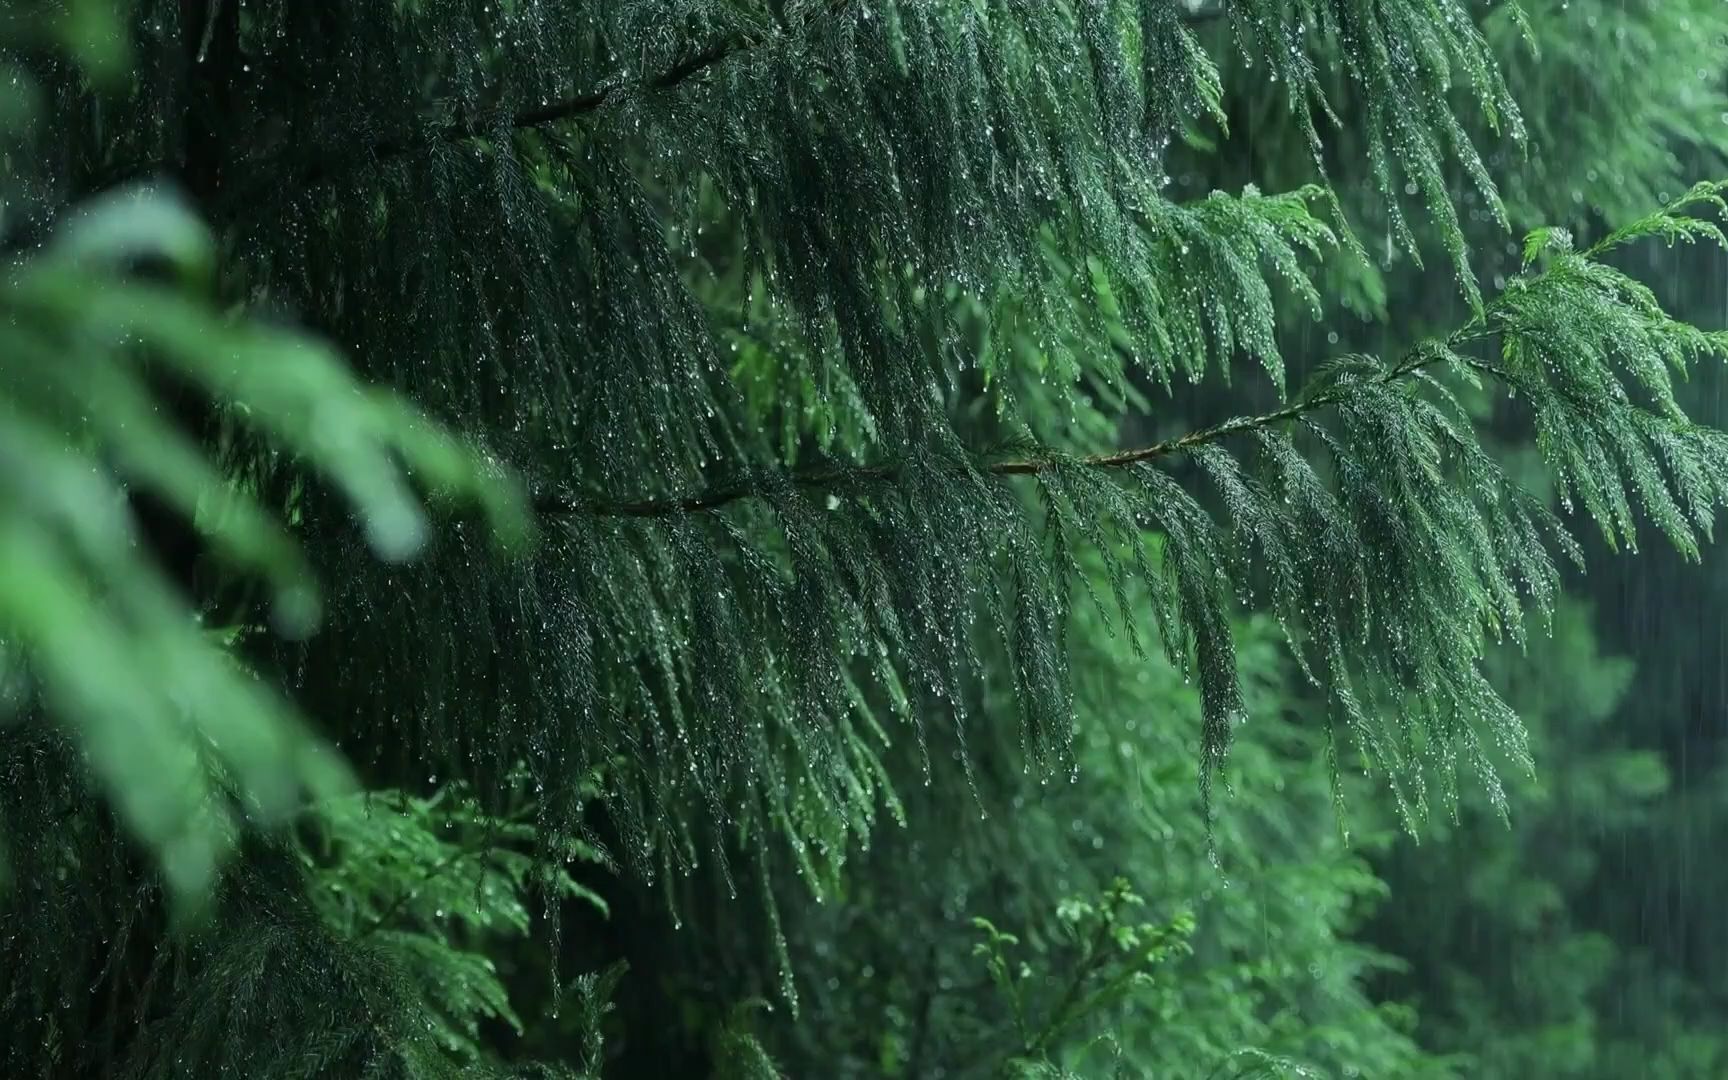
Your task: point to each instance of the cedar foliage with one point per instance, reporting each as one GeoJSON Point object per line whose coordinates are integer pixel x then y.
{"type": "Point", "coordinates": [1553, 963]}
{"type": "Point", "coordinates": [807, 326]}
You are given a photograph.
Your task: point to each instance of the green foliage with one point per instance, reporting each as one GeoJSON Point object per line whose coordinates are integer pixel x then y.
{"type": "Point", "coordinates": [1569, 335]}
{"type": "Point", "coordinates": [1110, 956]}
{"type": "Point", "coordinates": [1618, 98]}
{"type": "Point", "coordinates": [815, 327]}
{"type": "Point", "coordinates": [174, 714]}
{"type": "Point", "coordinates": [1387, 580]}
{"type": "Point", "coordinates": [592, 993]}
{"type": "Point", "coordinates": [888, 978]}
{"type": "Point", "coordinates": [1620, 104]}
{"type": "Point", "coordinates": [950, 171]}
{"type": "Point", "coordinates": [1402, 59]}
{"type": "Point", "coordinates": [174, 727]}
{"type": "Point", "coordinates": [611, 635]}
{"type": "Point", "coordinates": [1514, 964]}
{"type": "Point", "coordinates": [1637, 100]}
{"type": "Point", "coordinates": [738, 1054]}
{"type": "Point", "coordinates": [405, 895]}
{"type": "Point", "coordinates": [416, 877]}
{"type": "Point", "coordinates": [360, 945]}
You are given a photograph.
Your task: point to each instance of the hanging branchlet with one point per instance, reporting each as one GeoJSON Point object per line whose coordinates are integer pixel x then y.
{"type": "Point", "coordinates": [1402, 61]}
{"type": "Point", "coordinates": [1392, 562]}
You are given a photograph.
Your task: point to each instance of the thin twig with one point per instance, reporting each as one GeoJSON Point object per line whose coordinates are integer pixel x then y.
{"type": "Point", "coordinates": [381, 919]}
{"type": "Point", "coordinates": [926, 1000]}
{"type": "Point", "coordinates": [1091, 960]}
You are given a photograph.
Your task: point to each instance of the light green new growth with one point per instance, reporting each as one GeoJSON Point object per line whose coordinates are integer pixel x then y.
{"type": "Point", "coordinates": [360, 948]}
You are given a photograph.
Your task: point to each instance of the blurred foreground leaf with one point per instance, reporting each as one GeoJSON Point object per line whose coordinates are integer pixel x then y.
{"type": "Point", "coordinates": [185, 740]}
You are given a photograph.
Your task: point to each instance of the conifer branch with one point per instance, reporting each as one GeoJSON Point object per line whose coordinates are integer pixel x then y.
{"type": "Point", "coordinates": [1417, 359]}
{"type": "Point", "coordinates": [581, 105]}
{"type": "Point", "coordinates": [476, 125]}
{"type": "Point", "coordinates": [571, 108]}
{"type": "Point", "coordinates": [685, 70]}
{"type": "Point", "coordinates": [1664, 222]}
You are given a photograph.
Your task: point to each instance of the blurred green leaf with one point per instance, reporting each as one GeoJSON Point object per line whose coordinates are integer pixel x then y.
{"type": "Point", "coordinates": [188, 743]}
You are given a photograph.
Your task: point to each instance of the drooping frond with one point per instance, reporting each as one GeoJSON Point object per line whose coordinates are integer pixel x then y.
{"type": "Point", "coordinates": [358, 941]}
{"type": "Point", "coordinates": [1385, 537]}
{"type": "Point", "coordinates": [897, 551]}
{"type": "Point", "coordinates": [858, 234]}
{"type": "Point", "coordinates": [1402, 61]}
{"type": "Point", "coordinates": [1639, 116]}
{"type": "Point", "coordinates": [1594, 356]}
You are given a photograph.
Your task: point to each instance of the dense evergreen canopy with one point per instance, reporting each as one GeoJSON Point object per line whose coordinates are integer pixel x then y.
{"type": "Point", "coordinates": [779, 371]}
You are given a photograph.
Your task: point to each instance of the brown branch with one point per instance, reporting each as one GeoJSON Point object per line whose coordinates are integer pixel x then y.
{"type": "Point", "coordinates": [1422, 356]}
{"type": "Point", "coordinates": [477, 125]}
{"type": "Point", "coordinates": [581, 105]}
{"type": "Point", "coordinates": [682, 72]}
{"type": "Point", "coordinates": [715, 498]}
{"type": "Point", "coordinates": [571, 108]}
